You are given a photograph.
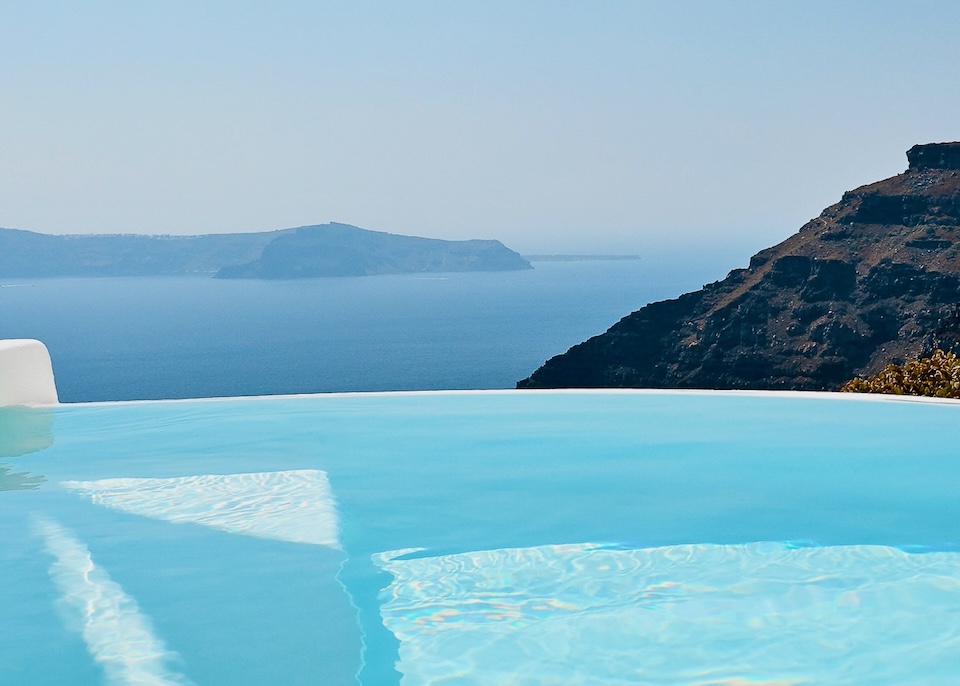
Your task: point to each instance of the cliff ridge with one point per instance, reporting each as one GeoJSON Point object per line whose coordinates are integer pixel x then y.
{"type": "Point", "coordinates": [874, 280]}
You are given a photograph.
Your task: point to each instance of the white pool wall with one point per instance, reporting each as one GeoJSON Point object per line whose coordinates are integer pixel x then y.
{"type": "Point", "coordinates": [26, 374]}
{"type": "Point", "coordinates": [824, 395]}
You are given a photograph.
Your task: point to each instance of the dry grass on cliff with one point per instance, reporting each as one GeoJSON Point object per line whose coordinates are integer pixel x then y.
{"type": "Point", "coordinates": [937, 376]}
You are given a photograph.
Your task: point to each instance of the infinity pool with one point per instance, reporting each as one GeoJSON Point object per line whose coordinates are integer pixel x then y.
{"type": "Point", "coordinates": [482, 538]}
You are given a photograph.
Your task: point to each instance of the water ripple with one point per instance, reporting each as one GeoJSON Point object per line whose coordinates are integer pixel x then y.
{"type": "Point", "coordinates": [763, 613]}
{"type": "Point", "coordinates": [118, 636]}
{"type": "Point", "coordinates": [296, 506]}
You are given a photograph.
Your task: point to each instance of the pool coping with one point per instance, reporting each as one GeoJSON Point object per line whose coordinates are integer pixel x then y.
{"type": "Point", "coordinates": [823, 395]}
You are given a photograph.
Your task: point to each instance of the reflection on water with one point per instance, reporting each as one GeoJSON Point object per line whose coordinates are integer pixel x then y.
{"type": "Point", "coordinates": [763, 613]}
{"type": "Point", "coordinates": [25, 430]}
{"type": "Point", "coordinates": [18, 481]}
{"type": "Point", "coordinates": [295, 506]}
{"type": "Point", "coordinates": [118, 635]}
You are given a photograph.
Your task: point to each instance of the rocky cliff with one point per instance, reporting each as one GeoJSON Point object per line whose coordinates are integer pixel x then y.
{"type": "Point", "coordinates": [874, 280]}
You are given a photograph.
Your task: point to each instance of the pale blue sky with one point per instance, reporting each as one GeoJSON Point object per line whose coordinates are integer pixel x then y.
{"type": "Point", "coordinates": [554, 126]}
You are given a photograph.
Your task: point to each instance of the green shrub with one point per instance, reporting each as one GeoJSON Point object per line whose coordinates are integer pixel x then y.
{"type": "Point", "coordinates": [937, 376]}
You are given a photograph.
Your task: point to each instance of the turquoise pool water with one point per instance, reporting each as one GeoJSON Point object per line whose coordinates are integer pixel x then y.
{"type": "Point", "coordinates": [482, 538]}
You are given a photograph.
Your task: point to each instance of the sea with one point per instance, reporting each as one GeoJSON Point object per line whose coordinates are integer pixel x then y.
{"type": "Point", "coordinates": [133, 338]}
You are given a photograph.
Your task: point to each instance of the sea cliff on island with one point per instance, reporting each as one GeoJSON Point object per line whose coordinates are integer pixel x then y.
{"type": "Point", "coordinates": [874, 280]}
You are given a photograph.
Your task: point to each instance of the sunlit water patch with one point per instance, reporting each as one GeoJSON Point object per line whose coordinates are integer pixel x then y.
{"type": "Point", "coordinates": [118, 635]}
{"type": "Point", "coordinates": [295, 506]}
{"type": "Point", "coordinates": [691, 614]}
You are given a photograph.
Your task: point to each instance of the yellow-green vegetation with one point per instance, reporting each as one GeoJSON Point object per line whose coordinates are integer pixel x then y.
{"type": "Point", "coordinates": [937, 376]}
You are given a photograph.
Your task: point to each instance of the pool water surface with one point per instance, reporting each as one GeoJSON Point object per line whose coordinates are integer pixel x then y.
{"type": "Point", "coordinates": [482, 538]}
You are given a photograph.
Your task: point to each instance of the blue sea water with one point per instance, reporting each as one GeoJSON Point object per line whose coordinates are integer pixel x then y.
{"type": "Point", "coordinates": [151, 338]}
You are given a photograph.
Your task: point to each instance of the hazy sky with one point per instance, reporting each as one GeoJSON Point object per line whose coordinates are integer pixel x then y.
{"type": "Point", "coordinates": [591, 126]}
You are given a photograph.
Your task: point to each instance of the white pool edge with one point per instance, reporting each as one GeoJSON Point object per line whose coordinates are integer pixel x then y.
{"type": "Point", "coordinates": [822, 395]}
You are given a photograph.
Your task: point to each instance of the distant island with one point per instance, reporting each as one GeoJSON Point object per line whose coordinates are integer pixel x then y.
{"type": "Point", "coordinates": [873, 281]}
{"type": "Point", "coordinates": [309, 251]}
{"type": "Point", "coordinates": [579, 258]}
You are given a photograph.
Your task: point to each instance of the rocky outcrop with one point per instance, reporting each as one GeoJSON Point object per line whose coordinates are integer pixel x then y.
{"type": "Point", "coordinates": [934, 156]}
{"type": "Point", "coordinates": [874, 280]}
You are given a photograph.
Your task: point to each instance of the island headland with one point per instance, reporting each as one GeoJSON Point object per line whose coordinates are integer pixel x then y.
{"type": "Point", "coordinates": [874, 280]}
{"type": "Point", "coordinates": [310, 251]}
{"type": "Point", "coordinates": [343, 250]}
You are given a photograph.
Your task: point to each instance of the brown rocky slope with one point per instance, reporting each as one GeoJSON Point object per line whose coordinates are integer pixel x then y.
{"type": "Point", "coordinates": [874, 280]}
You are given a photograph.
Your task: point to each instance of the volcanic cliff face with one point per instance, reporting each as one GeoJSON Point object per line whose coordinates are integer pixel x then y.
{"type": "Point", "coordinates": [874, 280]}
